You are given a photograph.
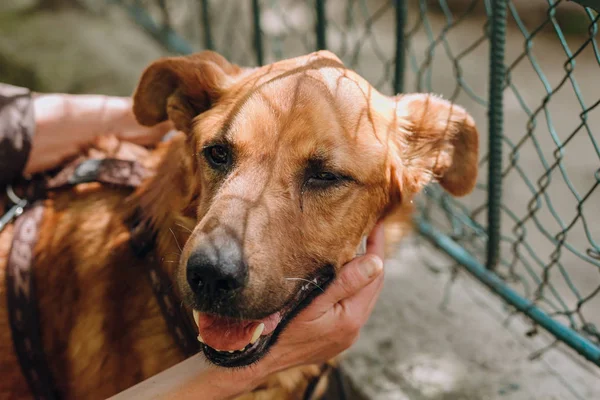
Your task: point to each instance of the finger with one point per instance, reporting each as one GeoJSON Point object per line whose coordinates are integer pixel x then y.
{"type": "Point", "coordinates": [353, 277]}
{"type": "Point", "coordinates": [360, 305]}
{"type": "Point", "coordinates": [368, 267]}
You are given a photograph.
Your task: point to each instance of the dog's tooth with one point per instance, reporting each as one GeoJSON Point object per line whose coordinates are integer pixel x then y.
{"type": "Point", "coordinates": [196, 315]}
{"type": "Point", "coordinates": [230, 351]}
{"type": "Point", "coordinates": [242, 349]}
{"type": "Point", "coordinates": [200, 338]}
{"type": "Point", "coordinates": [257, 332]}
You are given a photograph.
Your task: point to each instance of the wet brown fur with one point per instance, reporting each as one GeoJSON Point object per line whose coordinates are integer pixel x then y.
{"type": "Point", "coordinates": [102, 328]}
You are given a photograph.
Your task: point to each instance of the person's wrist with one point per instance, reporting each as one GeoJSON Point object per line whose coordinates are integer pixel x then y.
{"type": "Point", "coordinates": [79, 118]}
{"type": "Point", "coordinates": [95, 115]}
{"type": "Point", "coordinates": [227, 383]}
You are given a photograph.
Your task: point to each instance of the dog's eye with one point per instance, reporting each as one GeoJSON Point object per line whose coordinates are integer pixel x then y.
{"type": "Point", "coordinates": [322, 179]}
{"type": "Point", "coordinates": [218, 155]}
{"type": "Point", "coordinates": [325, 176]}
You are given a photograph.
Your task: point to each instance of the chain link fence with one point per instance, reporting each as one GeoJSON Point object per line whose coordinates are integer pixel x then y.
{"type": "Point", "coordinates": [528, 71]}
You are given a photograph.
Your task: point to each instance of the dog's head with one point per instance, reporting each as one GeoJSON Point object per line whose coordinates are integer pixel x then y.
{"type": "Point", "coordinates": [294, 163]}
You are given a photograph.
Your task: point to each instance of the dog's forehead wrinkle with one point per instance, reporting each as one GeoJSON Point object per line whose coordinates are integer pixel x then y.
{"type": "Point", "coordinates": [249, 90]}
{"type": "Point", "coordinates": [274, 103]}
{"type": "Point", "coordinates": [254, 128]}
{"type": "Point", "coordinates": [282, 96]}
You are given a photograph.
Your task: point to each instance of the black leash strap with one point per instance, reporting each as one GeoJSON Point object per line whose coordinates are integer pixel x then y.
{"type": "Point", "coordinates": [22, 305]}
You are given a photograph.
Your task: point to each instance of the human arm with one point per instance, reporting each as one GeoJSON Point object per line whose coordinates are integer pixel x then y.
{"type": "Point", "coordinates": [67, 123]}
{"type": "Point", "coordinates": [40, 131]}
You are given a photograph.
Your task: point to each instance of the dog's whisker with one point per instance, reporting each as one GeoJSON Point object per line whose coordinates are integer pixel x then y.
{"type": "Point", "coordinates": [176, 242]}
{"type": "Point", "coordinates": [306, 280]}
{"type": "Point", "coordinates": [184, 227]}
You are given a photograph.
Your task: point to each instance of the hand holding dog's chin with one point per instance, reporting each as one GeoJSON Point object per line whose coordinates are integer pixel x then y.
{"type": "Point", "coordinates": [332, 322]}
{"type": "Point", "coordinates": [67, 123]}
{"type": "Point", "coordinates": [330, 325]}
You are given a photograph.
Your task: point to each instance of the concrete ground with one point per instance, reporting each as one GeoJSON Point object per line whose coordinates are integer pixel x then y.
{"type": "Point", "coordinates": [438, 335]}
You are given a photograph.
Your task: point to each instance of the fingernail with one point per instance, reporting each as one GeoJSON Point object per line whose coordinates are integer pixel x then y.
{"type": "Point", "coordinates": [371, 266]}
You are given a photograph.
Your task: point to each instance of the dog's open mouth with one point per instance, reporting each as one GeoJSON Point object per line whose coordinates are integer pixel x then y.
{"type": "Point", "coordinates": [230, 342]}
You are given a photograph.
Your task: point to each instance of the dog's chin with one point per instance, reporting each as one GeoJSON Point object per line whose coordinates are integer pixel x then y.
{"type": "Point", "coordinates": [307, 291]}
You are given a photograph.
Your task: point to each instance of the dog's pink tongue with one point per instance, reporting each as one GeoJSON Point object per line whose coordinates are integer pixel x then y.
{"type": "Point", "coordinates": [223, 333]}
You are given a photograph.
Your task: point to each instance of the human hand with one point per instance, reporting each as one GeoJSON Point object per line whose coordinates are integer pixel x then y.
{"type": "Point", "coordinates": [332, 322]}
{"type": "Point", "coordinates": [67, 123]}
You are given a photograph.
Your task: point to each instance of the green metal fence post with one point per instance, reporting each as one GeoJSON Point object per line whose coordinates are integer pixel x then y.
{"type": "Point", "coordinates": [208, 42]}
{"type": "Point", "coordinates": [400, 46]}
{"type": "Point", "coordinates": [582, 345]}
{"type": "Point", "coordinates": [258, 44]}
{"type": "Point", "coordinates": [495, 115]}
{"type": "Point", "coordinates": [321, 25]}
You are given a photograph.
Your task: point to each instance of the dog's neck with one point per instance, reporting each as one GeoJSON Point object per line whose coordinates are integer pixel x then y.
{"type": "Point", "coordinates": [167, 200]}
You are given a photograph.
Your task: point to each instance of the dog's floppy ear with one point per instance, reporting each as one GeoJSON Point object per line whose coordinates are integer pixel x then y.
{"type": "Point", "coordinates": [436, 140]}
{"type": "Point", "coordinates": [179, 88]}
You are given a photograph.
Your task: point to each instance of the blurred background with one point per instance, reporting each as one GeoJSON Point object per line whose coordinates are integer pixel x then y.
{"type": "Point", "coordinates": [437, 333]}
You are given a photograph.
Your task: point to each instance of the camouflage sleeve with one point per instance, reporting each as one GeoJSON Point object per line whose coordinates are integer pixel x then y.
{"type": "Point", "coordinates": [17, 127]}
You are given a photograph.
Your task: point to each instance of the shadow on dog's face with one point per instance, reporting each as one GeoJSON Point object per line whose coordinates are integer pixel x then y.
{"type": "Point", "coordinates": [295, 162]}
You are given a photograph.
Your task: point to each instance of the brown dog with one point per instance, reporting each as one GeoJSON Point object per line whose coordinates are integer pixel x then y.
{"type": "Point", "coordinates": [281, 171]}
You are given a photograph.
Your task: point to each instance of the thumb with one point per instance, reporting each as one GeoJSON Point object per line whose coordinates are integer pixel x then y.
{"type": "Point", "coordinates": [354, 276]}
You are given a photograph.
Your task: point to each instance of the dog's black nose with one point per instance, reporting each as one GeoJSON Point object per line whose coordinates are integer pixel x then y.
{"type": "Point", "coordinates": [212, 272]}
